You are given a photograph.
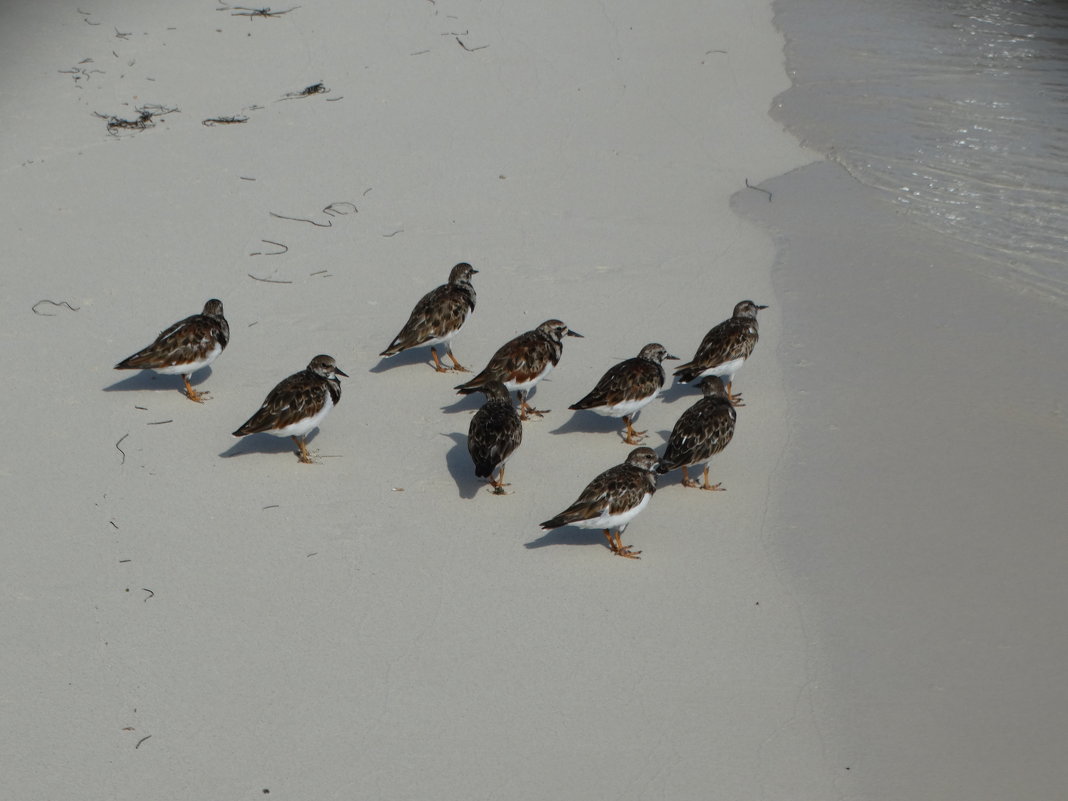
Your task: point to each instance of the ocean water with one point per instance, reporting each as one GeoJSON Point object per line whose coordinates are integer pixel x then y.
{"type": "Point", "coordinates": [956, 108]}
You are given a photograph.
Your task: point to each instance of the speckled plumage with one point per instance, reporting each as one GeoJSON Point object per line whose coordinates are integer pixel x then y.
{"type": "Point", "coordinates": [725, 348]}
{"type": "Point", "coordinates": [522, 362]}
{"type": "Point", "coordinates": [613, 499]}
{"type": "Point", "coordinates": [700, 433]}
{"type": "Point", "coordinates": [627, 388]}
{"type": "Point", "coordinates": [495, 433]}
{"type": "Point", "coordinates": [298, 404]}
{"type": "Point", "coordinates": [185, 347]}
{"type": "Point", "coordinates": [438, 317]}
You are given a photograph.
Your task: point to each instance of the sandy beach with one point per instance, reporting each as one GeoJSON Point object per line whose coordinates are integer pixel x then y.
{"type": "Point", "coordinates": [192, 616]}
{"type": "Point", "coordinates": [188, 615]}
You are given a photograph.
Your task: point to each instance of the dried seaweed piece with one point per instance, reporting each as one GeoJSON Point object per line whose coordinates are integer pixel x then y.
{"type": "Point", "coordinates": [342, 207]}
{"type": "Point", "coordinates": [120, 450]}
{"type": "Point", "coordinates": [307, 91]}
{"type": "Point", "coordinates": [213, 121]}
{"type": "Point", "coordinates": [469, 49]}
{"type": "Point", "coordinates": [266, 13]}
{"type": "Point", "coordinates": [326, 224]}
{"type": "Point", "coordinates": [285, 249]}
{"type": "Point", "coordinates": [33, 308]}
{"type": "Point", "coordinates": [146, 115]}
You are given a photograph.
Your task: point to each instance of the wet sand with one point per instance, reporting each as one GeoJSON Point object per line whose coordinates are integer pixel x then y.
{"type": "Point", "coordinates": [918, 510]}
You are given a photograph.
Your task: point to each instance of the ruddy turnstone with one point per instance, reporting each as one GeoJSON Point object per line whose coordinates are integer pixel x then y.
{"type": "Point", "coordinates": [725, 348]}
{"type": "Point", "coordinates": [627, 387]}
{"type": "Point", "coordinates": [522, 362]}
{"type": "Point", "coordinates": [495, 433]}
{"type": "Point", "coordinates": [185, 347]}
{"type": "Point", "coordinates": [298, 404]}
{"type": "Point", "coordinates": [613, 499]}
{"type": "Point", "coordinates": [701, 432]}
{"type": "Point", "coordinates": [438, 317]}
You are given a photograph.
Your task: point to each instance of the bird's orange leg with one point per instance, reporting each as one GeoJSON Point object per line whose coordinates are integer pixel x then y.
{"type": "Point", "coordinates": [736, 400]}
{"type": "Point", "coordinates": [191, 393]}
{"type": "Point", "coordinates": [437, 362]}
{"type": "Point", "coordinates": [715, 487]}
{"type": "Point", "coordinates": [526, 411]}
{"type": "Point", "coordinates": [457, 367]}
{"type": "Point", "coordinates": [499, 485]}
{"type": "Point", "coordinates": [632, 436]}
{"type": "Point", "coordinates": [686, 480]}
{"type": "Point", "coordinates": [305, 457]}
{"type": "Point", "coordinates": [619, 549]}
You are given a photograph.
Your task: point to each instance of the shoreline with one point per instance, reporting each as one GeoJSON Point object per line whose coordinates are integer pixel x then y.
{"type": "Point", "coordinates": [918, 512]}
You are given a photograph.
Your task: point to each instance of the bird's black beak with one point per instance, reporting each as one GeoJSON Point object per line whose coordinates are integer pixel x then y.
{"type": "Point", "coordinates": [339, 371]}
{"type": "Point", "coordinates": [571, 333]}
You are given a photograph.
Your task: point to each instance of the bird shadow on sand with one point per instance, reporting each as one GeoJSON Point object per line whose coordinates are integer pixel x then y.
{"type": "Point", "coordinates": [464, 403]}
{"type": "Point", "coordinates": [406, 358]}
{"type": "Point", "coordinates": [664, 434]}
{"type": "Point", "coordinates": [147, 379]}
{"type": "Point", "coordinates": [680, 392]}
{"type": "Point", "coordinates": [266, 443]}
{"type": "Point", "coordinates": [568, 535]}
{"type": "Point", "coordinates": [591, 423]}
{"type": "Point", "coordinates": [458, 461]}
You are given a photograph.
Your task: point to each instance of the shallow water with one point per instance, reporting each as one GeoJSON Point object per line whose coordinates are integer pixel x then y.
{"type": "Point", "coordinates": [956, 108]}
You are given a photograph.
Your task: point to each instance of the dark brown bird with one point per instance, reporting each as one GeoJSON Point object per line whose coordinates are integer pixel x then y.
{"type": "Point", "coordinates": [298, 404]}
{"type": "Point", "coordinates": [613, 499]}
{"type": "Point", "coordinates": [725, 348]}
{"type": "Point", "coordinates": [627, 387]}
{"type": "Point", "coordinates": [494, 434]}
{"type": "Point", "coordinates": [438, 317]}
{"type": "Point", "coordinates": [522, 362]}
{"type": "Point", "coordinates": [700, 433]}
{"type": "Point", "coordinates": [187, 346]}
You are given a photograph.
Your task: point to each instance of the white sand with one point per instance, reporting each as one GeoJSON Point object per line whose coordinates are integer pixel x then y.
{"type": "Point", "coordinates": [311, 631]}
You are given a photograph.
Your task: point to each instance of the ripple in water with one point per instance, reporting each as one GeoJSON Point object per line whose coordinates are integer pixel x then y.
{"type": "Point", "coordinates": [958, 108]}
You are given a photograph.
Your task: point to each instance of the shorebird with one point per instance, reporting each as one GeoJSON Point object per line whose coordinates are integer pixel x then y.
{"type": "Point", "coordinates": [613, 499]}
{"type": "Point", "coordinates": [438, 317]}
{"type": "Point", "coordinates": [494, 434]}
{"type": "Point", "coordinates": [725, 348]}
{"type": "Point", "coordinates": [628, 387]}
{"type": "Point", "coordinates": [298, 404]}
{"type": "Point", "coordinates": [700, 433]}
{"type": "Point", "coordinates": [187, 346]}
{"type": "Point", "coordinates": [522, 362]}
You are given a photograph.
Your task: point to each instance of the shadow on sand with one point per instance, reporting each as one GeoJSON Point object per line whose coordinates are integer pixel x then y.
{"type": "Point", "coordinates": [458, 461]}
{"type": "Point", "coordinates": [690, 393]}
{"type": "Point", "coordinates": [148, 379]}
{"type": "Point", "coordinates": [587, 422]}
{"type": "Point", "coordinates": [265, 443]}
{"type": "Point", "coordinates": [568, 535]}
{"type": "Point", "coordinates": [406, 358]}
